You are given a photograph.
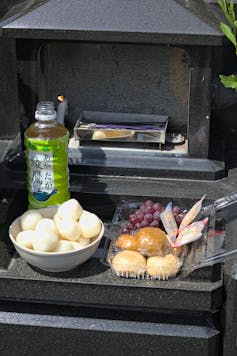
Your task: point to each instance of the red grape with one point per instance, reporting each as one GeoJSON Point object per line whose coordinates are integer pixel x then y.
{"type": "Point", "coordinates": [138, 226]}
{"type": "Point", "coordinates": [144, 223]}
{"type": "Point", "coordinates": [130, 226]}
{"type": "Point", "coordinates": [132, 219]}
{"type": "Point", "coordinates": [154, 223]}
{"type": "Point", "coordinates": [179, 218]}
{"type": "Point", "coordinates": [181, 215]}
{"type": "Point", "coordinates": [125, 230]}
{"type": "Point", "coordinates": [148, 214]}
{"type": "Point", "coordinates": [140, 217]}
{"type": "Point", "coordinates": [176, 210]}
{"type": "Point", "coordinates": [148, 217]}
{"type": "Point", "coordinates": [156, 215]}
{"type": "Point", "coordinates": [143, 209]}
{"type": "Point", "coordinates": [150, 209]}
{"type": "Point", "coordinates": [148, 202]}
{"type": "Point", "coordinates": [157, 206]}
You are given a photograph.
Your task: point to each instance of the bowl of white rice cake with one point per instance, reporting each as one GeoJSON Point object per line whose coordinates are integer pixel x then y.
{"type": "Point", "coordinates": [58, 238]}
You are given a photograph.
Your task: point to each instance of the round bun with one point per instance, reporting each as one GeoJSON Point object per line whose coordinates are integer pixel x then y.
{"type": "Point", "coordinates": [64, 246]}
{"type": "Point", "coordinates": [29, 219]}
{"type": "Point", "coordinates": [69, 229]}
{"type": "Point", "coordinates": [163, 267]}
{"type": "Point", "coordinates": [70, 209]}
{"type": "Point", "coordinates": [90, 225]}
{"type": "Point", "coordinates": [151, 241]}
{"type": "Point", "coordinates": [45, 242]}
{"type": "Point", "coordinates": [129, 263]}
{"type": "Point", "coordinates": [24, 238]}
{"type": "Point", "coordinates": [127, 242]}
{"type": "Point", "coordinates": [46, 224]}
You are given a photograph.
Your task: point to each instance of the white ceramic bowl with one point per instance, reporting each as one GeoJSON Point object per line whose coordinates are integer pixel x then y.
{"type": "Point", "coordinates": [53, 261]}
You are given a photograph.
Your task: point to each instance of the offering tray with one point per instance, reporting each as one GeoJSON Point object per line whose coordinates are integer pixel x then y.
{"type": "Point", "coordinates": [123, 127]}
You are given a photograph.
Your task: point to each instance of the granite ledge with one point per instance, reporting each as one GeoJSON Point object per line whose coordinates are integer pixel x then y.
{"type": "Point", "coordinates": [93, 283]}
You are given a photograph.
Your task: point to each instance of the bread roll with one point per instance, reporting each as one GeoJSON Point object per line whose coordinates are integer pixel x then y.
{"type": "Point", "coordinates": [90, 225]}
{"type": "Point", "coordinates": [69, 229]}
{"type": "Point", "coordinates": [126, 242]}
{"type": "Point", "coordinates": [30, 219]}
{"type": "Point", "coordinates": [70, 209]}
{"type": "Point", "coordinates": [151, 241]}
{"type": "Point", "coordinates": [129, 263]}
{"type": "Point", "coordinates": [163, 267]}
{"type": "Point", "coordinates": [45, 242]}
{"type": "Point", "coordinates": [24, 238]}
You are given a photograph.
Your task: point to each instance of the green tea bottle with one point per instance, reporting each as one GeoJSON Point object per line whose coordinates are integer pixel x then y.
{"type": "Point", "coordinates": [46, 144]}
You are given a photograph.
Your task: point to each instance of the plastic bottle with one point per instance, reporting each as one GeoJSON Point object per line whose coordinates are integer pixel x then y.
{"type": "Point", "coordinates": [46, 144]}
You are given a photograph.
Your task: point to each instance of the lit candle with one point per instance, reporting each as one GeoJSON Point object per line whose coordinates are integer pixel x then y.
{"type": "Point", "coordinates": [62, 109]}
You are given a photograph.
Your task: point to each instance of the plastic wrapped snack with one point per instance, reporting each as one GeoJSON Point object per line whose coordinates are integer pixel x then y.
{"type": "Point", "coordinates": [191, 233]}
{"type": "Point", "coordinates": [169, 222]}
{"type": "Point", "coordinates": [191, 214]}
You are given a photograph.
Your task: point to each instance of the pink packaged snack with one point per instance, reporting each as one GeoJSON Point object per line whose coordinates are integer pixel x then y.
{"type": "Point", "coordinates": [191, 233]}
{"type": "Point", "coordinates": [169, 223]}
{"type": "Point", "coordinates": [191, 214]}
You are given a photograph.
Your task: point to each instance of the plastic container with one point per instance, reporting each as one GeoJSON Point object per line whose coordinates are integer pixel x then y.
{"type": "Point", "coordinates": [46, 144]}
{"type": "Point", "coordinates": [209, 249]}
{"type": "Point", "coordinates": [136, 258]}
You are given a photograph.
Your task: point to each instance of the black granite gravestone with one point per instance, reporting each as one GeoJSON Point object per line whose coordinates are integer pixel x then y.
{"type": "Point", "coordinates": [146, 57]}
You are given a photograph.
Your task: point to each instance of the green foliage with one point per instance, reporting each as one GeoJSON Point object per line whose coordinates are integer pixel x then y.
{"type": "Point", "coordinates": [229, 81]}
{"type": "Point", "coordinates": [230, 31]}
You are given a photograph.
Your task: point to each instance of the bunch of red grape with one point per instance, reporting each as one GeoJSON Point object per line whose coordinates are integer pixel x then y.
{"type": "Point", "coordinates": [148, 214]}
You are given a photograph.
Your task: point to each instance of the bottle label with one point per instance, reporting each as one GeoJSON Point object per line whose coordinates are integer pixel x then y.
{"type": "Point", "coordinates": [47, 171]}
{"type": "Point", "coordinates": [41, 172]}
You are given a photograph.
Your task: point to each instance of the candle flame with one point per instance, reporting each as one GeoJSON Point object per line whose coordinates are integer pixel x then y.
{"type": "Point", "coordinates": [61, 98]}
